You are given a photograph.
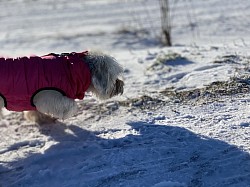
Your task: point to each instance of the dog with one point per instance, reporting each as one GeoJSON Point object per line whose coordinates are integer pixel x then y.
{"type": "Point", "coordinates": [46, 87]}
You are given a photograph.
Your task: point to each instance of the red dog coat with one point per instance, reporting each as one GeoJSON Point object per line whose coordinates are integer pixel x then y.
{"type": "Point", "coordinates": [21, 78]}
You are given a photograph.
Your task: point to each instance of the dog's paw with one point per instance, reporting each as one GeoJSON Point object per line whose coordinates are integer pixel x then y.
{"type": "Point", "coordinates": [38, 117]}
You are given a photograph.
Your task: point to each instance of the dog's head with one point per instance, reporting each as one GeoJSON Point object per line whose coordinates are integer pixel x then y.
{"type": "Point", "coordinates": [105, 72]}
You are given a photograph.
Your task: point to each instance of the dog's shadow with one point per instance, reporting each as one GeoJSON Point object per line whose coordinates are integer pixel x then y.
{"type": "Point", "coordinates": [148, 155]}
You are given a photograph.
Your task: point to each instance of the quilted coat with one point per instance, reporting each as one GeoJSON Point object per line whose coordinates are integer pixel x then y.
{"type": "Point", "coordinates": [21, 78]}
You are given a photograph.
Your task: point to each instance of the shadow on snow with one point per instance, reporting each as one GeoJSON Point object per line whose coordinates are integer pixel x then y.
{"type": "Point", "coordinates": [158, 153]}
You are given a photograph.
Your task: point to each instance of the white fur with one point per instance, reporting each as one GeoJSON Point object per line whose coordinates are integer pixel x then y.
{"type": "Point", "coordinates": [105, 84]}
{"type": "Point", "coordinates": [53, 103]}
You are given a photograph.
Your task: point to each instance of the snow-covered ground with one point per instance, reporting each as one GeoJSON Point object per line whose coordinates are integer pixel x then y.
{"type": "Point", "coordinates": [168, 129]}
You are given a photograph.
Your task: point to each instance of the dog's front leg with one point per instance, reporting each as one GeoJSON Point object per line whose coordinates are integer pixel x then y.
{"type": "Point", "coordinates": [53, 103]}
{"type": "Point", "coordinates": [1, 102]}
{"type": "Point", "coordinates": [1, 106]}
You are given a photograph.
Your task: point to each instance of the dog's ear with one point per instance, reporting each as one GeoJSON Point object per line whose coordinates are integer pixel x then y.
{"type": "Point", "coordinates": [118, 88]}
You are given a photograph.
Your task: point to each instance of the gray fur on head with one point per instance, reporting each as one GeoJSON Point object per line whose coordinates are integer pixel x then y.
{"type": "Point", "coordinates": [105, 72]}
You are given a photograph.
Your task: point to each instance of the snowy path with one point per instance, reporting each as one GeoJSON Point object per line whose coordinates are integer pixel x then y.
{"type": "Point", "coordinates": [129, 142]}
{"type": "Point", "coordinates": [181, 144]}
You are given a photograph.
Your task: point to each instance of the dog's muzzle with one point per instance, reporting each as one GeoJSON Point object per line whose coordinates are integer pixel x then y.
{"type": "Point", "coordinates": [118, 88]}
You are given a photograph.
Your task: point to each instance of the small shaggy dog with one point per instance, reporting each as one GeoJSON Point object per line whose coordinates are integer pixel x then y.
{"type": "Point", "coordinates": [47, 86]}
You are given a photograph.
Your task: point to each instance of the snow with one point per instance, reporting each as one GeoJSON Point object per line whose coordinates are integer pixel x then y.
{"type": "Point", "coordinates": [169, 184]}
{"type": "Point", "coordinates": [150, 136]}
